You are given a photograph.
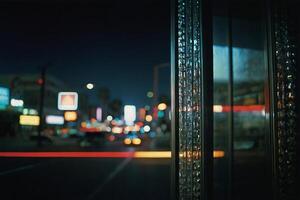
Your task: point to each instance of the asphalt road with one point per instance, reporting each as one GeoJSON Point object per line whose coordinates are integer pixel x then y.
{"type": "Point", "coordinates": [84, 178]}
{"type": "Point", "coordinates": [77, 144]}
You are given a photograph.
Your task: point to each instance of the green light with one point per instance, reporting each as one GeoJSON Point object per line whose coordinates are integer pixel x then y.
{"type": "Point", "coordinates": [147, 107]}
{"type": "Point", "coordinates": [150, 94]}
{"type": "Point", "coordinates": [160, 114]}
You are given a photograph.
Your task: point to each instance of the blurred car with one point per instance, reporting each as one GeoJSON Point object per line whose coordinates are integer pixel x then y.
{"type": "Point", "coordinates": [132, 140]}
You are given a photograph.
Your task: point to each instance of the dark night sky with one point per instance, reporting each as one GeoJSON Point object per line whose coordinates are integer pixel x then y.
{"type": "Point", "coordinates": [112, 44]}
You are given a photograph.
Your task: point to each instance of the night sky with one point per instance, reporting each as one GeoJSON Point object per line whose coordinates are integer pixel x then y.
{"type": "Point", "coordinates": [113, 44]}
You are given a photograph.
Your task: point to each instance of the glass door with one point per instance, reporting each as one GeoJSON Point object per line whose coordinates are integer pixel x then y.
{"type": "Point", "coordinates": [241, 123]}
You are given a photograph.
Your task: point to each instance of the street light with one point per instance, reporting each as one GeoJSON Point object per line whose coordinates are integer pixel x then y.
{"type": "Point", "coordinates": [150, 94]}
{"type": "Point", "coordinates": [90, 86]}
{"type": "Point", "coordinates": [109, 118]}
{"type": "Point", "coordinates": [162, 106]}
{"type": "Point", "coordinates": [148, 118]}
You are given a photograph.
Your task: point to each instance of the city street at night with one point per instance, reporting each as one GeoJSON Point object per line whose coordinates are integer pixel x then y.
{"type": "Point", "coordinates": [108, 170]}
{"type": "Point", "coordinates": [149, 100]}
{"type": "Point", "coordinates": [85, 178]}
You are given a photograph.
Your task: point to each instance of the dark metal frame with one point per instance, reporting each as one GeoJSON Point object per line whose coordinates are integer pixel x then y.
{"type": "Point", "coordinates": [230, 91]}
{"type": "Point", "coordinates": [174, 103]}
{"type": "Point", "coordinates": [280, 81]}
{"type": "Point", "coordinates": [271, 94]}
{"type": "Point", "coordinates": [207, 100]}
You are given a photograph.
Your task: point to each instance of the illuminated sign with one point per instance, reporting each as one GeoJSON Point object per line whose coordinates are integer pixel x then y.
{"type": "Point", "coordinates": [99, 114]}
{"type": "Point", "coordinates": [29, 111]}
{"type": "Point", "coordinates": [55, 119]}
{"type": "Point", "coordinates": [4, 97]}
{"type": "Point", "coordinates": [70, 116]}
{"type": "Point", "coordinates": [29, 120]}
{"type": "Point", "coordinates": [129, 114]}
{"type": "Point", "coordinates": [142, 114]}
{"type": "Point", "coordinates": [32, 112]}
{"type": "Point", "coordinates": [67, 101]}
{"type": "Point", "coordinates": [16, 103]}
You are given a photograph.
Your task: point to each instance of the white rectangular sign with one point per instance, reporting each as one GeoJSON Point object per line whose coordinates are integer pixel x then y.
{"type": "Point", "coordinates": [55, 119]}
{"type": "Point", "coordinates": [129, 114]}
{"type": "Point", "coordinates": [67, 101]}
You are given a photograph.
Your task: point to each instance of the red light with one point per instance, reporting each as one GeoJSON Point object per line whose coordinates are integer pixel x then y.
{"type": "Point", "coordinates": [40, 81]}
{"type": "Point", "coordinates": [68, 154]}
{"type": "Point", "coordinates": [244, 108]}
{"type": "Point", "coordinates": [111, 138]}
{"type": "Point", "coordinates": [89, 130]}
{"type": "Point", "coordinates": [140, 124]}
{"type": "Point", "coordinates": [64, 131]}
{"type": "Point", "coordinates": [155, 113]}
{"type": "Point", "coordinates": [130, 154]}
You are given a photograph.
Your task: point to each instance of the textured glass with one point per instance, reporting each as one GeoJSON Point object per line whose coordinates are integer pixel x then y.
{"type": "Point", "coordinates": [285, 75]}
{"type": "Point", "coordinates": [189, 71]}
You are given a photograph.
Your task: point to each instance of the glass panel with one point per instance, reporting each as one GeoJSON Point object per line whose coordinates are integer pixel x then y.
{"type": "Point", "coordinates": [241, 126]}
{"type": "Point", "coordinates": [221, 99]}
{"type": "Point", "coordinates": [251, 160]}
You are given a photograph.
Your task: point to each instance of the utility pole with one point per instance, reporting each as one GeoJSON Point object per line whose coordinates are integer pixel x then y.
{"type": "Point", "coordinates": [42, 82]}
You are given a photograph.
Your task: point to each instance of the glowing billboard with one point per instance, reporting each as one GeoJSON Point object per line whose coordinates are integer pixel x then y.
{"type": "Point", "coordinates": [4, 97]}
{"type": "Point", "coordinates": [16, 102]}
{"type": "Point", "coordinates": [67, 101]}
{"type": "Point", "coordinates": [129, 114]}
{"type": "Point", "coordinates": [142, 114]}
{"type": "Point", "coordinates": [55, 119]}
{"type": "Point", "coordinates": [99, 114]}
{"type": "Point", "coordinates": [29, 120]}
{"type": "Point", "coordinates": [70, 116]}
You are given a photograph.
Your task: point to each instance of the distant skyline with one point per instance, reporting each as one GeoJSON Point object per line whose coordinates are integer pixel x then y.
{"type": "Point", "coordinates": [113, 44]}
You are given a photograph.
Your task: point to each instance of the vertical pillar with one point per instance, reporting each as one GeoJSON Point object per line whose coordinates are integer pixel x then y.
{"type": "Point", "coordinates": [193, 84]}
{"type": "Point", "coordinates": [284, 106]}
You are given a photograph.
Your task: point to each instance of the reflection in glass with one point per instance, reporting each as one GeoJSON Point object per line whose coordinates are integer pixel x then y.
{"type": "Point", "coordinates": [240, 118]}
